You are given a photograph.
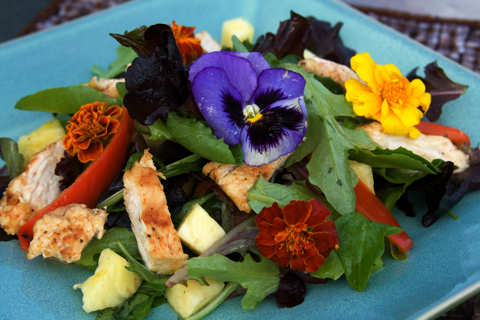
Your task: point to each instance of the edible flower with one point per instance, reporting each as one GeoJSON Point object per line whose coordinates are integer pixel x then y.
{"type": "Point", "coordinates": [244, 101]}
{"type": "Point", "coordinates": [88, 128]}
{"type": "Point", "coordinates": [189, 47]}
{"type": "Point", "coordinates": [297, 235]}
{"type": "Point", "coordinates": [387, 97]}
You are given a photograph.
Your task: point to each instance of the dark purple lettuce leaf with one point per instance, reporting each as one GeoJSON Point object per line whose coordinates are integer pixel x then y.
{"type": "Point", "coordinates": [440, 87]}
{"type": "Point", "coordinates": [69, 167]}
{"type": "Point", "coordinates": [291, 38]}
{"type": "Point", "coordinates": [326, 43]}
{"type": "Point", "coordinates": [157, 80]}
{"type": "Point", "coordinates": [291, 291]}
{"type": "Point", "coordinates": [135, 39]}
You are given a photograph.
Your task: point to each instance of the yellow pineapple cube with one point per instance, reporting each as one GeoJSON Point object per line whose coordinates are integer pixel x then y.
{"type": "Point", "coordinates": [198, 230]}
{"type": "Point", "coordinates": [364, 173]}
{"type": "Point", "coordinates": [239, 27]}
{"type": "Point", "coordinates": [40, 138]}
{"type": "Point", "coordinates": [188, 300]}
{"type": "Point", "coordinates": [111, 285]}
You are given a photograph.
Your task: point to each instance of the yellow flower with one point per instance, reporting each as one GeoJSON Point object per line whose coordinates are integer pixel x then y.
{"type": "Point", "coordinates": [387, 97]}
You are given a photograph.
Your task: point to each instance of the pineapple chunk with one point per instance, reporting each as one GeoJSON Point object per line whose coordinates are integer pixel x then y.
{"type": "Point", "coordinates": [198, 230]}
{"type": "Point", "coordinates": [40, 138]}
{"type": "Point", "coordinates": [188, 300]}
{"type": "Point", "coordinates": [111, 285]}
{"type": "Point", "coordinates": [364, 173]}
{"type": "Point", "coordinates": [239, 27]}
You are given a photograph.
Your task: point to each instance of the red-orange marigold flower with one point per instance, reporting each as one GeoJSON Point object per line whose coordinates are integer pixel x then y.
{"type": "Point", "coordinates": [297, 235]}
{"type": "Point", "coordinates": [91, 125]}
{"type": "Point", "coordinates": [189, 47]}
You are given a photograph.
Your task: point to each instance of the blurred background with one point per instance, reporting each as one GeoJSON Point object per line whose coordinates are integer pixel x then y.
{"type": "Point", "coordinates": [451, 27]}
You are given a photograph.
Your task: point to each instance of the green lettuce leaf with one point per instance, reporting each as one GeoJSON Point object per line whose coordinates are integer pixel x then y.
{"type": "Point", "coordinates": [332, 268]}
{"type": "Point", "coordinates": [91, 253]}
{"type": "Point", "coordinates": [199, 139]}
{"type": "Point", "coordinates": [125, 56]}
{"type": "Point", "coordinates": [361, 245]}
{"type": "Point", "coordinates": [159, 131]}
{"type": "Point", "coordinates": [121, 89]}
{"type": "Point", "coordinates": [259, 278]}
{"type": "Point", "coordinates": [63, 100]}
{"type": "Point", "coordinates": [329, 168]}
{"type": "Point", "coordinates": [13, 159]}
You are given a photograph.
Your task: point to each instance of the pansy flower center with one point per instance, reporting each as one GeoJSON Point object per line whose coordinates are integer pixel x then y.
{"type": "Point", "coordinates": [395, 90]}
{"type": "Point", "coordinates": [252, 113]}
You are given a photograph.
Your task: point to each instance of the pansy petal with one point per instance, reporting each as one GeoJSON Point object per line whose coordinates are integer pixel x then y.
{"type": "Point", "coordinates": [220, 103]}
{"type": "Point", "coordinates": [239, 71]}
{"type": "Point", "coordinates": [277, 133]}
{"type": "Point", "coordinates": [256, 59]}
{"type": "Point", "coordinates": [278, 84]}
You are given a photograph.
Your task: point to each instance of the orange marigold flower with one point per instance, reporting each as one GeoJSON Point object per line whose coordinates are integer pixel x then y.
{"type": "Point", "coordinates": [91, 125]}
{"type": "Point", "coordinates": [297, 235]}
{"type": "Point", "coordinates": [189, 47]}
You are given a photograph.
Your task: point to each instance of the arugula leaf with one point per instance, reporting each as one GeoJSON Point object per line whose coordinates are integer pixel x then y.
{"type": "Point", "coordinates": [63, 100]}
{"type": "Point", "coordinates": [332, 268]}
{"type": "Point", "coordinates": [361, 245]}
{"type": "Point", "coordinates": [121, 89]}
{"type": "Point", "coordinates": [400, 158]}
{"type": "Point", "coordinates": [264, 194]}
{"type": "Point", "coordinates": [329, 168]}
{"type": "Point", "coordinates": [238, 45]}
{"type": "Point", "coordinates": [159, 131]}
{"type": "Point", "coordinates": [259, 278]}
{"type": "Point", "coordinates": [178, 217]}
{"type": "Point", "coordinates": [240, 239]}
{"type": "Point", "coordinates": [156, 283]}
{"type": "Point", "coordinates": [199, 139]}
{"type": "Point", "coordinates": [124, 57]}
{"type": "Point", "coordinates": [91, 253]}
{"type": "Point", "coordinates": [13, 159]}
{"type": "Point", "coordinates": [440, 87]}
{"type": "Point", "coordinates": [185, 165]}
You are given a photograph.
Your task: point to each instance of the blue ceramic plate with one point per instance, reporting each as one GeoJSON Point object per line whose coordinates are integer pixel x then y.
{"type": "Point", "coordinates": [443, 268]}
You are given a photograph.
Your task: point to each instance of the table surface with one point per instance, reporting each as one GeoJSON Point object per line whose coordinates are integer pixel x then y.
{"type": "Point", "coordinates": [26, 16]}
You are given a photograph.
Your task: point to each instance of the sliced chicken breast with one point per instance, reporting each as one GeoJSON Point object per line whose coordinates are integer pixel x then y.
{"type": "Point", "coordinates": [146, 204]}
{"type": "Point", "coordinates": [63, 233]}
{"type": "Point", "coordinates": [325, 68]}
{"type": "Point", "coordinates": [426, 146]}
{"type": "Point", "coordinates": [235, 181]}
{"type": "Point", "coordinates": [31, 191]}
{"type": "Point", "coordinates": [105, 86]}
{"type": "Point", "coordinates": [207, 42]}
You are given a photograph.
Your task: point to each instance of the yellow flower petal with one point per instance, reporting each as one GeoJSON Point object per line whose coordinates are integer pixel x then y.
{"type": "Point", "coordinates": [414, 133]}
{"type": "Point", "coordinates": [392, 125]}
{"type": "Point", "coordinates": [365, 103]}
{"type": "Point", "coordinates": [425, 100]}
{"type": "Point", "coordinates": [364, 66]}
{"type": "Point", "coordinates": [385, 108]}
{"type": "Point", "coordinates": [392, 69]}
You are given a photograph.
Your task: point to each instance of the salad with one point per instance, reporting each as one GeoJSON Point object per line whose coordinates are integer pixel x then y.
{"type": "Point", "coordinates": [305, 180]}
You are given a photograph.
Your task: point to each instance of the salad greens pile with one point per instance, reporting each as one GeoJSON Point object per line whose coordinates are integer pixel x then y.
{"type": "Point", "coordinates": [157, 96]}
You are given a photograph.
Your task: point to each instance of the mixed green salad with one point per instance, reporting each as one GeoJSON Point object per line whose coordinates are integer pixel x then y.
{"type": "Point", "coordinates": [249, 108]}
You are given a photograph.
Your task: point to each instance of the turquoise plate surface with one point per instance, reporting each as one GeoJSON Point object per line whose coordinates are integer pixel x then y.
{"type": "Point", "coordinates": [443, 268]}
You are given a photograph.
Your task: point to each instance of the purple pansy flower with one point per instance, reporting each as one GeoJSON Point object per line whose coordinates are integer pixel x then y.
{"type": "Point", "coordinates": [244, 101]}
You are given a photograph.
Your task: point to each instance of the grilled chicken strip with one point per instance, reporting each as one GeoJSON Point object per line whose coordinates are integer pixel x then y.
{"type": "Point", "coordinates": [31, 191]}
{"type": "Point", "coordinates": [325, 68]}
{"type": "Point", "coordinates": [207, 42]}
{"type": "Point", "coordinates": [426, 146]}
{"type": "Point", "coordinates": [158, 241]}
{"type": "Point", "coordinates": [63, 233]}
{"type": "Point", "coordinates": [105, 86]}
{"type": "Point", "coordinates": [235, 181]}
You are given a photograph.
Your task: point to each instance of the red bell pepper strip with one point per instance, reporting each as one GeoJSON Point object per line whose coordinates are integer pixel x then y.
{"type": "Point", "coordinates": [457, 136]}
{"type": "Point", "coordinates": [372, 208]}
{"type": "Point", "coordinates": [91, 184]}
